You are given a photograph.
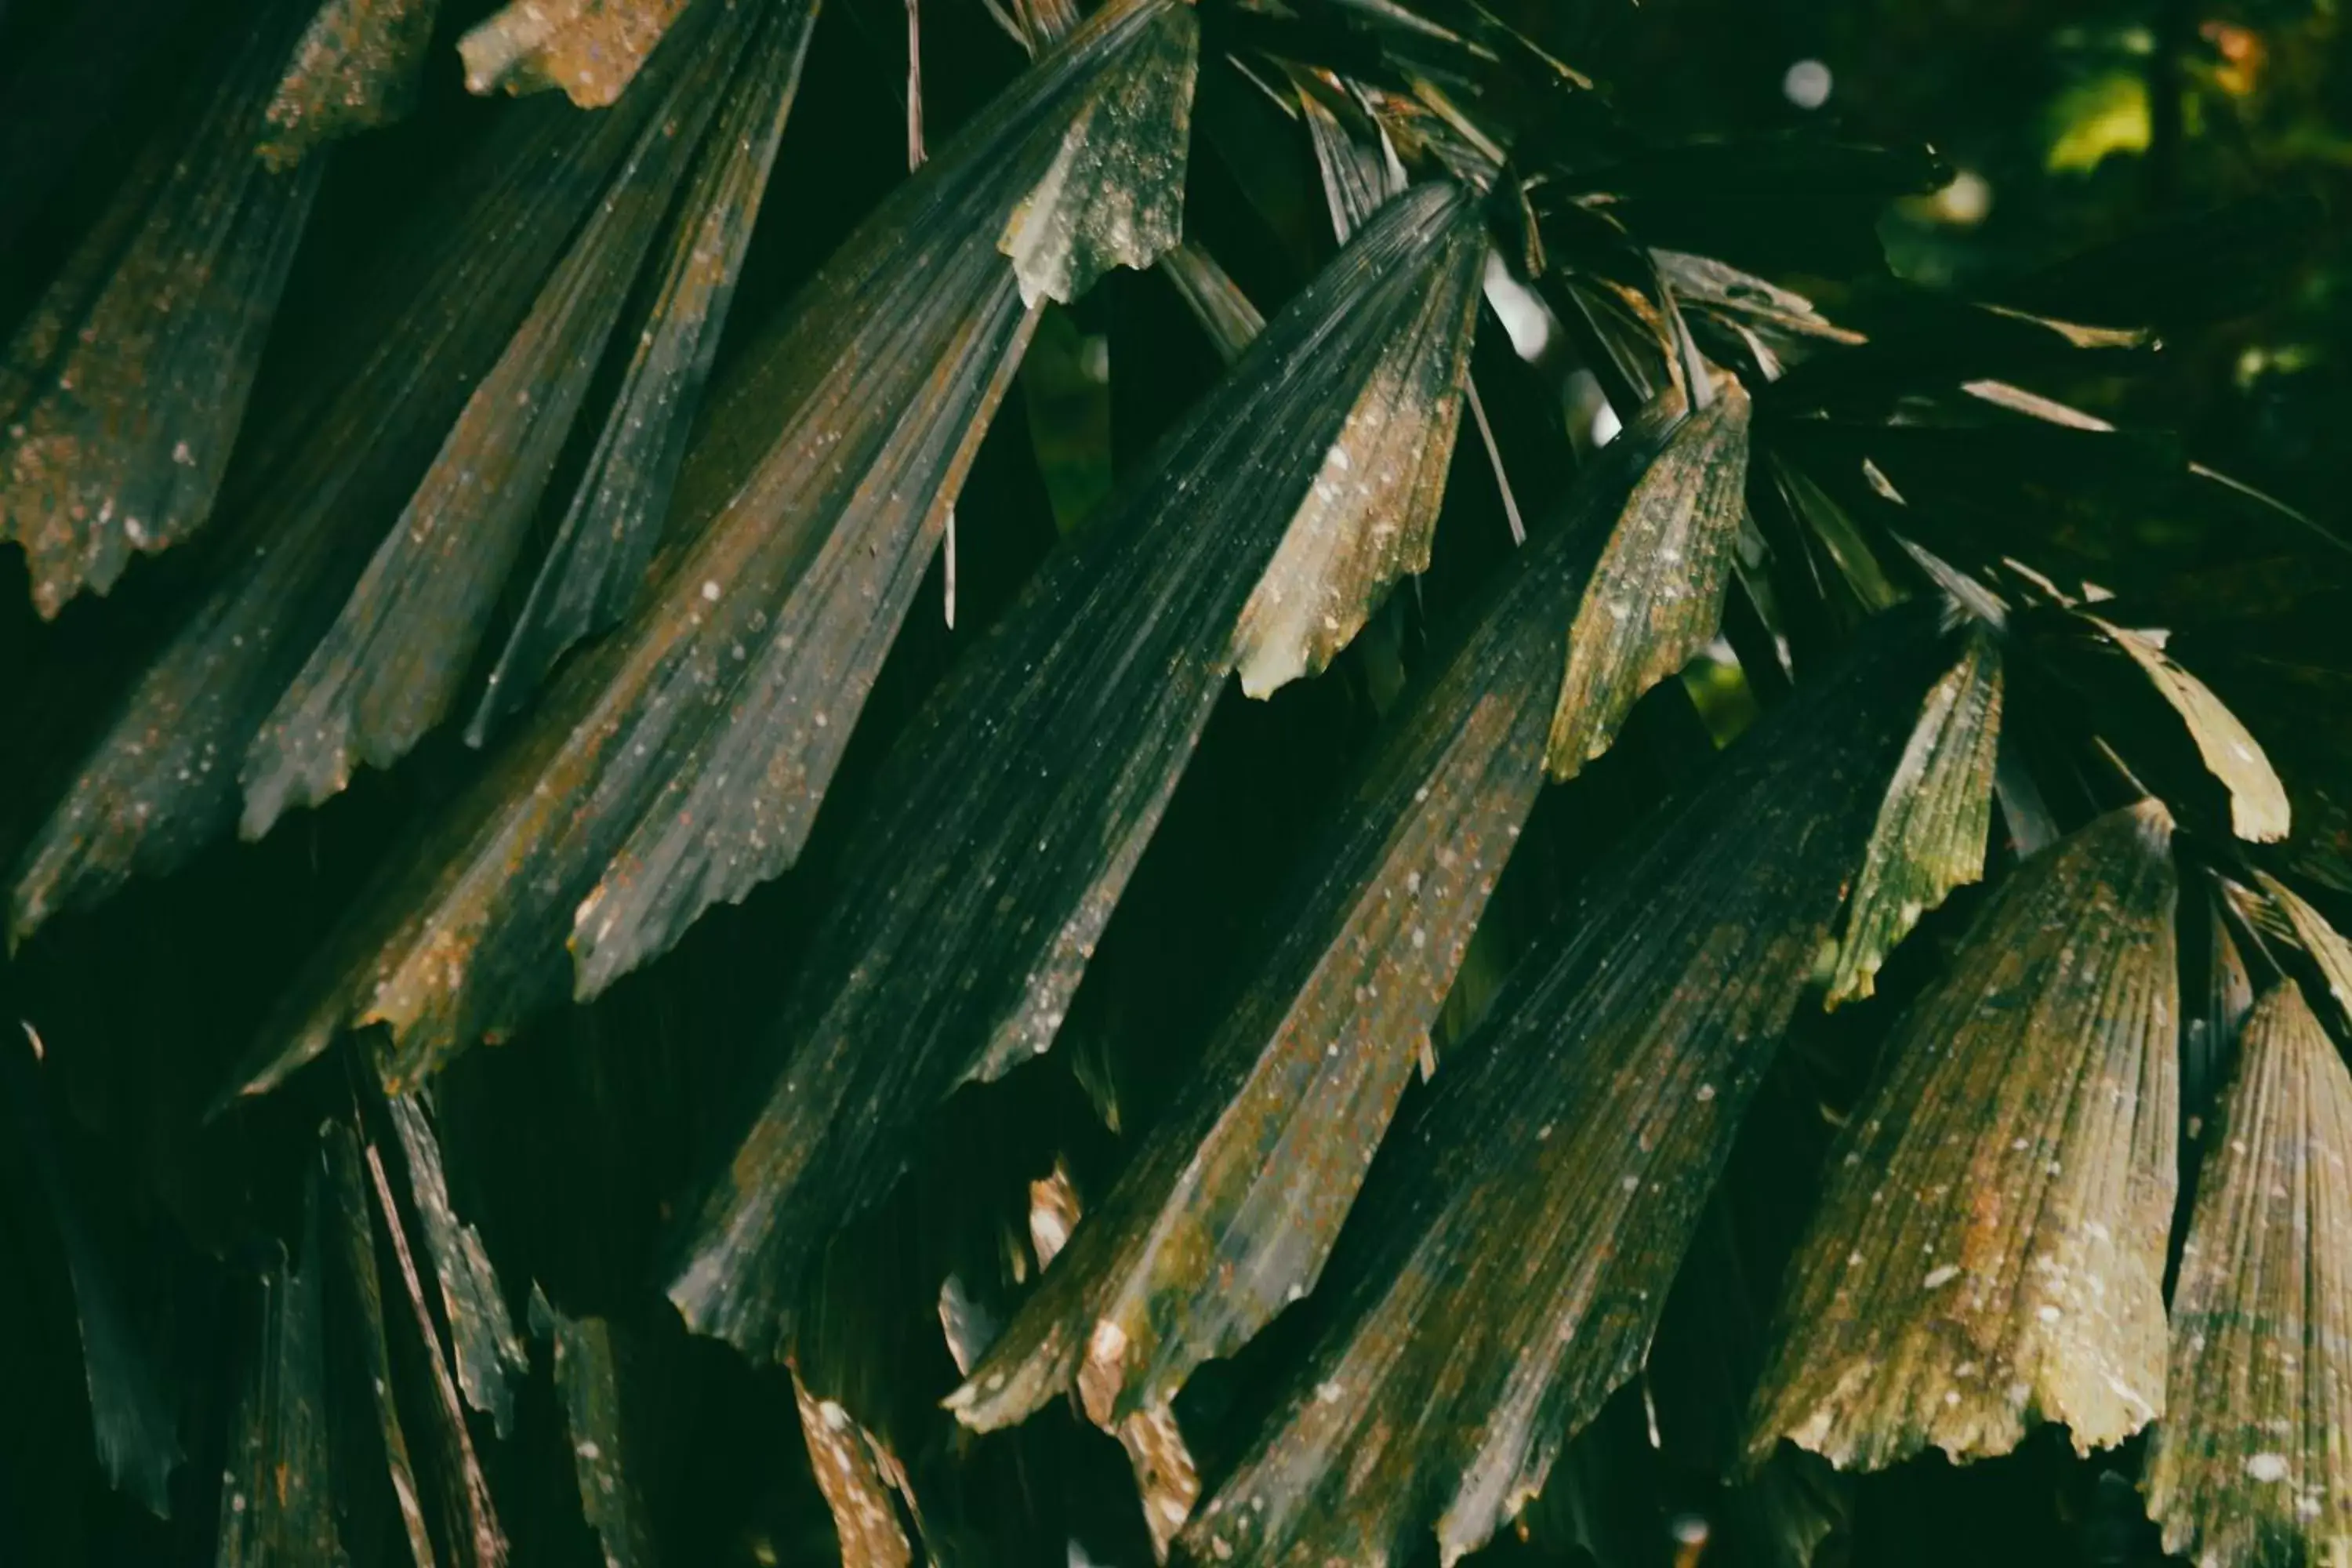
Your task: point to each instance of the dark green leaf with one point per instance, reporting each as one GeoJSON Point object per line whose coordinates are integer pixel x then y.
{"type": "Point", "coordinates": [1507, 1262]}
{"type": "Point", "coordinates": [161, 780]}
{"type": "Point", "coordinates": [1015, 810]}
{"type": "Point", "coordinates": [276, 1507]}
{"type": "Point", "coordinates": [590, 1371]}
{"type": "Point", "coordinates": [1231, 1206]}
{"type": "Point", "coordinates": [388, 669]}
{"type": "Point", "coordinates": [1655, 599]}
{"type": "Point", "coordinates": [625, 811]}
{"type": "Point", "coordinates": [489, 1354]}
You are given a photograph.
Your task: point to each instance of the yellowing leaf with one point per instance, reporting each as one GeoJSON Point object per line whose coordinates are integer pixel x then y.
{"type": "Point", "coordinates": [2257, 802]}
{"type": "Point", "coordinates": [1990, 1252]}
{"type": "Point", "coordinates": [1114, 195]}
{"type": "Point", "coordinates": [589, 48]}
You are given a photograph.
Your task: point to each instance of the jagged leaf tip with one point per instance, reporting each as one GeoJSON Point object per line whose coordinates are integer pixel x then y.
{"type": "Point", "coordinates": [390, 666]}
{"type": "Point", "coordinates": [589, 48]}
{"type": "Point", "coordinates": [1370, 515]}
{"type": "Point", "coordinates": [1114, 195]}
{"type": "Point", "coordinates": [1012, 811]}
{"type": "Point", "coordinates": [1656, 598]}
{"type": "Point", "coordinates": [125, 388]}
{"type": "Point", "coordinates": [596, 565]}
{"type": "Point", "coordinates": [1505, 1270]}
{"type": "Point", "coordinates": [489, 1354]}
{"type": "Point", "coordinates": [161, 780]}
{"type": "Point", "coordinates": [355, 69]}
{"type": "Point", "coordinates": [622, 812]}
{"type": "Point", "coordinates": [2257, 802]}
{"type": "Point", "coordinates": [1934, 824]}
{"type": "Point", "coordinates": [2250, 1464]}
{"type": "Point", "coordinates": [1990, 1250]}
{"type": "Point", "coordinates": [1229, 1208]}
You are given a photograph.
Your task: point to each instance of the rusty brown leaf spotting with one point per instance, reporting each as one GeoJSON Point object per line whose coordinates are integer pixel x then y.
{"type": "Point", "coordinates": [591, 1371]}
{"type": "Point", "coordinates": [590, 50]}
{"type": "Point", "coordinates": [389, 667]}
{"type": "Point", "coordinates": [1653, 603]}
{"type": "Point", "coordinates": [2250, 1464]}
{"type": "Point", "coordinates": [161, 780]}
{"type": "Point", "coordinates": [1506, 1263]}
{"type": "Point", "coordinates": [123, 390]}
{"type": "Point", "coordinates": [278, 1498]}
{"type": "Point", "coordinates": [1015, 807]}
{"type": "Point", "coordinates": [1229, 1208]}
{"type": "Point", "coordinates": [1990, 1252]}
{"type": "Point", "coordinates": [355, 69]}
{"type": "Point", "coordinates": [625, 810]}
{"type": "Point", "coordinates": [1933, 829]}
{"type": "Point", "coordinates": [596, 564]}
{"type": "Point", "coordinates": [1371, 516]}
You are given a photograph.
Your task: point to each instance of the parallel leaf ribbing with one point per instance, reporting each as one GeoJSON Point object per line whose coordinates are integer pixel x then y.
{"type": "Point", "coordinates": [590, 1373]}
{"type": "Point", "coordinates": [1506, 1264]}
{"type": "Point", "coordinates": [595, 567]}
{"type": "Point", "coordinates": [2252, 1463]}
{"type": "Point", "coordinates": [489, 1353]}
{"type": "Point", "coordinates": [123, 391]}
{"type": "Point", "coordinates": [1655, 599]}
{"type": "Point", "coordinates": [1990, 1252]}
{"type": "Point", "coordinates": [1931, 833]}
{"type": "Point", "coordinates": [1372, 514]}
{"type": "Point", "coordinates": [1232, 1204]}
{"type": "Point", "coordinates": [389, 667]}
{"type": "Point", "coordinates": [161, 780]}
{"type": "Point", "coordinates": [682, 761]}
{"type": "Point", "coordinates": [1014, 811]}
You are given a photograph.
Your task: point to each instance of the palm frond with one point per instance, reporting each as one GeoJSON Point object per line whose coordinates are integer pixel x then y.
{"type": "Point", "coordinates": [1990, 1252]}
